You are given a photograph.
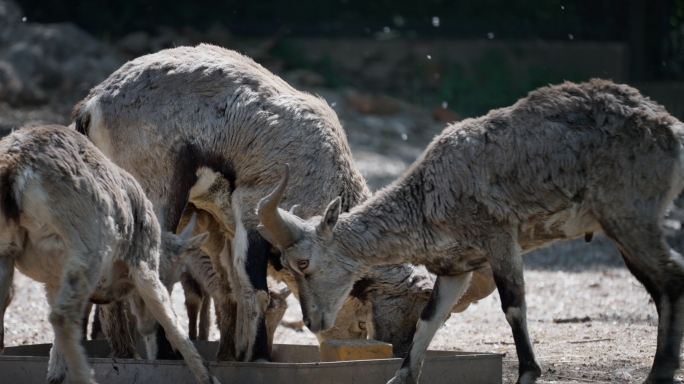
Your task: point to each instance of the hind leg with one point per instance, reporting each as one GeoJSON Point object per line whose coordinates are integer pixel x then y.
{"type": "Point", "coordinates": [57, 368]}
{"type": "Point", "coordinates": [507, 268]}
{"type": "Point", "coordinates": [76, 285]}
{"type": "Point", "coordinates": [146, 325]}
{"type": "Point", "coordinates": [156, 300]}
{"type": "Point", "coordinates": [661, 271]}
{"type": "Point", "coordinates": [197, 304]}
{"type": "Point", "coordinates": [226, 305]}
{"type": "Point", "coordinates": [193, 302]}
{"type": "Point", "coordinates": [204, 324]}
{"type": "Point", "coordinates": [116, 327]}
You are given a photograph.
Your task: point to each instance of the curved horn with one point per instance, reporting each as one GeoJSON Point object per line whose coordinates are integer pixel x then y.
{"type": "Point", "coordinates": [284, 227]}
{"type": "Point", "coordinates": [160, 218]}
{"type": "Point", "coordinates": [189, 227]}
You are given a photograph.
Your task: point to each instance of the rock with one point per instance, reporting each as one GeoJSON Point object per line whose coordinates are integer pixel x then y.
{"type": "Point", "coordinates": [49, 62]}
{"type": "Point", "coordinates": [136, 43]}
{"type": "Point", "coordinates": [11, 85]}
{"type": "Point", "coordinates": [445, 115]}
{"type": "Point", "coordinates": [10, 15]}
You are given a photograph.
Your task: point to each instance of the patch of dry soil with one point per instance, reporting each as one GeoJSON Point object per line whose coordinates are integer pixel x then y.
{"type": "Point", "coordinates": [617, 345]}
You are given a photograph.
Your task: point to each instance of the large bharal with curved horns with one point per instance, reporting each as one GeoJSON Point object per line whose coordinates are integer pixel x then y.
{"type": "Point", "coordinates": [281, 225]}
{"type": "Point", "coordinates": [566, 161]}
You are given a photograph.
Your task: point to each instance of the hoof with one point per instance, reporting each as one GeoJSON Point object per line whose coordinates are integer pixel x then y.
{"type": "Point", "coordinates": [403, 377]}
{"type": "Point", "coordinates": [528, 378]}
{"type": "Point", "coordinates": [56, 380]}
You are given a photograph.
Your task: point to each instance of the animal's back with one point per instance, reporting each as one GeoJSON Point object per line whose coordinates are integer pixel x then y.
{"type": "Point", "coordinates": [217, 108]}
{"type": "Point", "coordinates": [53, 177]}
{"type": "Point", "coordinates": [559, 151]}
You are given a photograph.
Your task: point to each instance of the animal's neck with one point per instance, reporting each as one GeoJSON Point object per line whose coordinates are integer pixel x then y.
{"type": "Point", "coordinates": [389, 228]}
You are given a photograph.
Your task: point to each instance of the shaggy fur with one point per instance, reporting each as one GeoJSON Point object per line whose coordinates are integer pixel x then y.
{"type": "Point", "coordinates": [73, 220]}
{"type": "Point", "coordinates": [165, 116]}
{"type": "Point", "coordinates": [384, 305]}
{"type": "Point", "coordinates": [200, 271]}
{"type": "Point", "coordinates": [565, 161]}
{"type": "Point", "coordinates": [397, 295]}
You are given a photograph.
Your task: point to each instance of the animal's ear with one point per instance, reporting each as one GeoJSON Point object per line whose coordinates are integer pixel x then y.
{"type": "Point", "coordinates": [281, 295]}
{"type": "Point", "coordinates": [332, 213]}
{"type": "Point", "coordinates": [264, 233]}
{"type": "Point", "coordinates": [189, 227]}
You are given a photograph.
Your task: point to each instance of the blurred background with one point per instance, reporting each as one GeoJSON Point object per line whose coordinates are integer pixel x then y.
{"type": "Point", "coordinates": [395, 68]}
{"type": "Point", "coordinates": [396, 72]}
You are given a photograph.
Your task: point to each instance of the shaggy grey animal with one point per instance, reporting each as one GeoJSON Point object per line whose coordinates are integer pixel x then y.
{"type": "Point", "coordinates": [202, 272]}
{"type": "Point", "coordinates": [565, 161]}
{"type": "Point", "coordinates": [78, 223]}
{"type": "Point", "coordinates": [398, 293]}
{"type": "Point", "coordinates": [384, 305]}
{"type": "Point", "coordinates": [179, 118]}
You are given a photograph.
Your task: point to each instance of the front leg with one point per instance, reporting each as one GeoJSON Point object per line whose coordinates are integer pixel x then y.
{"type": "Point", "coordinates": [156, 301]}
{"type": "Point", "coordinates": [57, 368]}
{"type": "Point", "coordinates": [446, 293]}
{"type": "Point", "coordinates": [193, 302]}
{"type": "Point", "coordinates": [507, 267]}
{"type": "Point", "coordinates": [116, 327]}
{"type": "Point", "coordinates": [248, 280]}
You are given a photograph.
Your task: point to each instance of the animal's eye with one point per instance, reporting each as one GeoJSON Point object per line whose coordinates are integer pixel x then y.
{"type": "Point", "coordinates": [302, 264]}
{"type": "Point", "coordinates": [362, 325]}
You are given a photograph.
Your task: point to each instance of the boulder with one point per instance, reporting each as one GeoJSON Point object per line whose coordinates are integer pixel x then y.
{"type": "Point", "coordinates": [49, 62]}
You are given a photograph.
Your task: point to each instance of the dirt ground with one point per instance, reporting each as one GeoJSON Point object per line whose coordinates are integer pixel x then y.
{"type": "Point", "coordinates": [617, 344]}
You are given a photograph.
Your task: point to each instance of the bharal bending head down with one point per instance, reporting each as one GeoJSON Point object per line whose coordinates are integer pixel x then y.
{"type": "Point", "coordinates": [71, 219]}
{"type": "Point", "coordinates": [563, 162]}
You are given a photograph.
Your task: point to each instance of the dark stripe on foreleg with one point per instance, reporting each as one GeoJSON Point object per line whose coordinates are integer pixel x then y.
{"type": "Point", "coordinates": [258, 250]}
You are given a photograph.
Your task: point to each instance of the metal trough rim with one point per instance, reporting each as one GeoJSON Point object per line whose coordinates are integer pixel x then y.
{"type": "Point", "coordinates": [28, 365]}
{"type": "Point", "coordinates": [432, 355]}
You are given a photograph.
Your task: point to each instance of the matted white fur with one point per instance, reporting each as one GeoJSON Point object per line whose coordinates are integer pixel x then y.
{"type": "Point", "coordinates": [98, 134]}
{"type": "Point", "coordinates": [205, 178]}
{"type": "Point", "coordinates": [88, 235]}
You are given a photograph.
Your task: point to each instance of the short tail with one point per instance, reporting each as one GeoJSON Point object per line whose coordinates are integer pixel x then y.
{"type": "Point", "coordinates": [81, 118]}
{"type": "Point", "coordinates": [9, 204]}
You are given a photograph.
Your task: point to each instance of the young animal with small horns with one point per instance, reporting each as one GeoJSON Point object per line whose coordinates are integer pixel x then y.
{"type": "Point", "coordinates": [73, 220]}
{"type": "Point", "coordinates": [565, 161]}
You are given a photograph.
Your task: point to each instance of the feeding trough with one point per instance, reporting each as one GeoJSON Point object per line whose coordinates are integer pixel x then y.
{"type": "Point", "coordinates": [293, 364]}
